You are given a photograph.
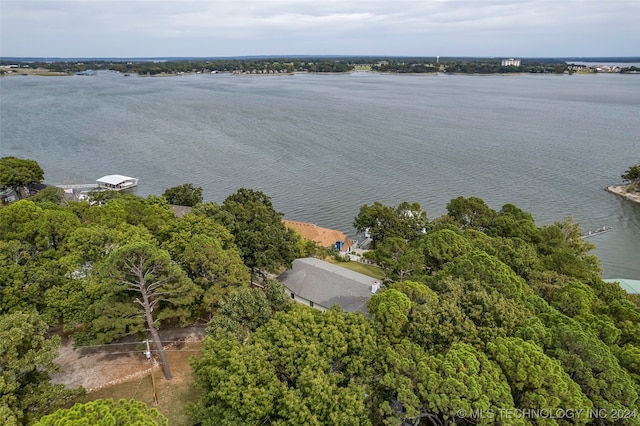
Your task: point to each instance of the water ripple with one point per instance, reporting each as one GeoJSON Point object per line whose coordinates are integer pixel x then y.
{"type": "Point", "coordinates": [322, 146]}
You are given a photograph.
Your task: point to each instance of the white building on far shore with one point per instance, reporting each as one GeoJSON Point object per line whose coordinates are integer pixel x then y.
{"type": "Point", "coordinates": [511, 61]}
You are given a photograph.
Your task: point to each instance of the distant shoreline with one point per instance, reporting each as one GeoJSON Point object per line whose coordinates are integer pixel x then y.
{"type": "Point", "coordinates": [48, 73]}
{"type": "Point", "coordinates": [621, 190]}
{"type": "Point", "coordinates": [44, 72]}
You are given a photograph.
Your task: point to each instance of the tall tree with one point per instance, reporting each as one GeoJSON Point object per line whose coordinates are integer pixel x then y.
{"type": "Point", "coordinates": [50, 194]}
{"type": "Point", "coordinates": [16, 173]}
{"type": "Point", "coordinates": [591, 364]}
{"type": "Point", "coordinates": [153, 278]}
{"type": "Point", "coordinates": [471, 212]}
{"type": "Point", "coordinates": [265, 243]}
{"type": "Point", "coordinates": [519, 255]}
{"type": "Point", "coordinates": [183, 195]}
{"type": "Point", "coordinates": [407, 221]}
{"type": "Point", "coordinates": [216, 270]}
{"type": "Point", "coordinates": [514, 222]}
{"type": "Point", "coordinates": [488, 270]}
{"type": "Point", "coordinates": [25, 276]}
{"type": "Point", "coordinates": [54, 226]}
{"type": "Point", "coordinates": [565, 251]}
{"type": "Point", "coordinates": [632, 174]}
{"type": "Point", "coordinates": [207, 253]}
{"type": "Point", "coordinates": [239, 383]}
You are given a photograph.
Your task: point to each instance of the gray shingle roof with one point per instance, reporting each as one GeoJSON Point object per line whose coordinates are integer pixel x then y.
{"type": "Point", "coordinates": [327, 284]}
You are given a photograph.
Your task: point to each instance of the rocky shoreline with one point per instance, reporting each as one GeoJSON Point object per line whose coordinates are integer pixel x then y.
{"type": "Point", "coordinates": [621, 190]}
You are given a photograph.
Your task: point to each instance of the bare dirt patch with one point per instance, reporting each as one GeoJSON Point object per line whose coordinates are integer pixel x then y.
{"type": "Point", "coordinates": [34, 71]}
{"type": "Point", "coordinates": [95, 367]}
{"type": "Point", "coordinates": [172, 397]}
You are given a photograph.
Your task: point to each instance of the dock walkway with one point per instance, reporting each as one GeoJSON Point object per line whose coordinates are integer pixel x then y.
{"type": "Point", "coordinates": [77, 186]}
{"type": "Point", "coordinates": [596, 232]}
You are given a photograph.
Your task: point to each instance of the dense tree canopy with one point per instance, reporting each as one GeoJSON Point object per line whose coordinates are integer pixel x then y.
{"type": "Point", "coordinates": [157, 286]}
{"type": "Point", "coordinates": [242, 312]}
{"type": "Point", "coordinates": [26, 360]}
{"type": "Point", "coordinates": [17, 172]}
{"type": "Point", "coordinates": [442, 389]}
{"type": "Point", "coordinates": [50, 194]}
{"type": "Point", "coordinates": [302, 367]}
{"type": "Point", "coordinates": [527, 300]}
{"type": "Point", "coordinates": [61, 261]}
{"type": "Point", "coordinates": [443, 246]}
{"type": "Point", "coordinates": [103, 412]}
{"type": "Point", "coordinates": [482, 311]}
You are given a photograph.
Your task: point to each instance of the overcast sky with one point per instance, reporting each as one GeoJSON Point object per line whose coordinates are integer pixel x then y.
{"type": "Point", "coordinates": [164, 28]}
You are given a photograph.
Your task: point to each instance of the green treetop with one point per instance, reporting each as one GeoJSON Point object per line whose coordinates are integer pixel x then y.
{"type": "Point", "coordinates": [16, 173]}
{"type": "Point", "coordinates": [632, 173]}
{"type": "Point", "coordinates": [26, 360]}
{"type": "Point", "coordinates": [103, 412]}
{"type": "Point", "coordinates": [265, 243]}
{"type": "Point", "coordinates": [183, 195]}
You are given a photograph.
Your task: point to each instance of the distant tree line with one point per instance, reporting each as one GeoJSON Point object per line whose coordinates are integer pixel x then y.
{"type": "Point", "coordinates": [416, 65]}
{"type": "Point", "coordinates": [496, 67]}
{"type": "Point", "coordinates": [145, 67]}
{"type": "Point", "coordinates": [301, 64]}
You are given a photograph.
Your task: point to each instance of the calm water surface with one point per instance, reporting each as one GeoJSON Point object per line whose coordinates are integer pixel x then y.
{"type": "Point", "coordinates": [322, 145]}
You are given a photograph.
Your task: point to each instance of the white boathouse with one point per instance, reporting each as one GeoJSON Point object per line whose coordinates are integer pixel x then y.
{"type": "Point", "coordinates": [116, 182]}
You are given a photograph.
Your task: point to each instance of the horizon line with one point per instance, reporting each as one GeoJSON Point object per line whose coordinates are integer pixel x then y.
{"type": "Point", "coordinates": [4, 58]}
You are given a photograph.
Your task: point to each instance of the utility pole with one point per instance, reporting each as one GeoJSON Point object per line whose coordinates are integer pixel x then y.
{"type": "Point", "coordinates": [153, 380]}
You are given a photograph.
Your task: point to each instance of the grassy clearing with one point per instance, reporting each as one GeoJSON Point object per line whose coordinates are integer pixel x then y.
{"type": "Point", "coordinates": [173, 396]}
{"type": "Point", "coordinates": [369, 270]}
{"type": "Point", "coordinates": [36, 71]}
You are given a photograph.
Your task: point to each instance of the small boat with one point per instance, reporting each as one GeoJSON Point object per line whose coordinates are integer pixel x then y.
{"type": "Point", "coordinates": [87, 72]}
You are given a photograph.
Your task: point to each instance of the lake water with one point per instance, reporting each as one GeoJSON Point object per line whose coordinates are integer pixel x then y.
{"type": "Point", "coordinates": [323, 145]}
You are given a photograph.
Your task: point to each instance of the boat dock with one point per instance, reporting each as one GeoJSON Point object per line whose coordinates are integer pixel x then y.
{"type": "Point", "coordinates": [596, 232]}
{"type": "Point", "coordinates": [109, 182]}
{"type": "Point", "coordinates": [77, 186]}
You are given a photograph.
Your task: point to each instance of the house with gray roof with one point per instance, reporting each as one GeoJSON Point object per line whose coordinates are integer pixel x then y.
{"type": "Point", "coordinates": [321, 285]}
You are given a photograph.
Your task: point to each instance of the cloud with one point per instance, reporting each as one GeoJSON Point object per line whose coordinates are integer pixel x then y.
{"type": "Point", "coordinates": [117, 28]}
